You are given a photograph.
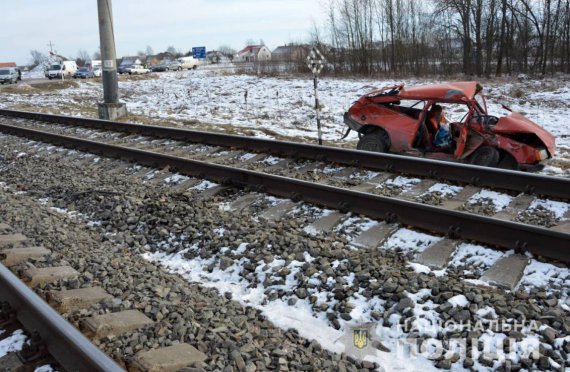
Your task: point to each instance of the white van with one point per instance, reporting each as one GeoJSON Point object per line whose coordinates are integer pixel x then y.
{"type": "Point", "coordinates": [61, 70]}
{"type": "Point", "coordinates": [8, 75]}
{"type": "Point", "coordinates": [188, 63]}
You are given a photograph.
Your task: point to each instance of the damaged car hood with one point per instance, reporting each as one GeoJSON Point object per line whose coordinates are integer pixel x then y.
{"type": "Point", "coordinates": [517, 123]}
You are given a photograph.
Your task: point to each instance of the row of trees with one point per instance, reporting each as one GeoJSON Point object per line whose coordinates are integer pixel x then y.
{"type": "Point", "coordinates": [475, 37]}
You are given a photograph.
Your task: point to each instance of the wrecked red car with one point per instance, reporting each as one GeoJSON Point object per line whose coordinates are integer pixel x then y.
{"type": "Point", "coordinates": [448, 122]}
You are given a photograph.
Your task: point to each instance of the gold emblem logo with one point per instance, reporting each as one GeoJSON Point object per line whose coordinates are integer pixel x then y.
{"type": "Point", "coordinates": [360, 337]}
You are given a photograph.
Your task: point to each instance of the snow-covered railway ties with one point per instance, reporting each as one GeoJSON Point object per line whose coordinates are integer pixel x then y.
{"type": "Point", "coordinates": [246, 217]}
{"type": "Point", "coordinates": [52, 337]}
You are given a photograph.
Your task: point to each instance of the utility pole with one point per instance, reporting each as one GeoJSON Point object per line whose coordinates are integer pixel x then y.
{"type": "Point", "coordinates": [51, 45]}
{"type": "Point", "coordinates": [110, 108]}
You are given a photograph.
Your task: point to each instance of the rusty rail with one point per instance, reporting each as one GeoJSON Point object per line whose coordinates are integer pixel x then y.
{"type": "Point", "coordinates": [556, 187]}
{"type": "Point", "coordinates": [64, 342]}
{"type": "Point", "coordinates": [502, 234]}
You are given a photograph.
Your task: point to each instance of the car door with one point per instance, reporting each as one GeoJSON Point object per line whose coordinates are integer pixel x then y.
{"type": "Point", "coordinates": [468, 140]}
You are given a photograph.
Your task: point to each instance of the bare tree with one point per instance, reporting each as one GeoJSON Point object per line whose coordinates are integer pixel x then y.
{"type": "Point", "coordinates": [37, 57]}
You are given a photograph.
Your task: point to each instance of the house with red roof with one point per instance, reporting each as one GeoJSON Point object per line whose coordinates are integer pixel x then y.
{"type": "Point", "coordinates": [8, 64]}
{"type": "Point", "coordinates": [253, 53]}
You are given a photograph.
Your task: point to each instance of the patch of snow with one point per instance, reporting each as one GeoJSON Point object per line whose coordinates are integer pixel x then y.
{"type": "Point", "coordinates": [499, 200]}
{"type": "Point", "coordinates": [410, 240]}
{"type": "Point", "coordinates": [176, 179]}
{"type": "Point", "coordinates": [12, 343]}
{"type": "Point", "coordinates": [445, 190]}
{"type": "Point", "coordinates": [475, 256]}
{"type": "Point", "coordinates": [422, 269]}
{"type": "Point", "coordinates": [204, 185]}
{"type": "Point", "coordinates": [402, 182]}
{"type": "Point", "coordinates": [248, 156]}
{"type": "Point", "coordinates": [547, 276]}
{"type": "Point", "coordinates": [559, 209]}
{"type": "Point", "coordinates": [459, 300]}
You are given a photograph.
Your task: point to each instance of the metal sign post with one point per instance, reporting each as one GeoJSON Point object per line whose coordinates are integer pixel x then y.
{"type": "Point", "coordinates": [316, 62]}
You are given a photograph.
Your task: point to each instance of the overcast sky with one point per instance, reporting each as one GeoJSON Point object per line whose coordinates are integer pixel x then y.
{"type": "Point", "coordinates": [72, 25]}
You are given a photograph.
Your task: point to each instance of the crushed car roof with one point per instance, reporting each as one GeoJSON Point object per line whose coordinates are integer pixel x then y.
{"type": "Point", "coordinates": [445, 91]}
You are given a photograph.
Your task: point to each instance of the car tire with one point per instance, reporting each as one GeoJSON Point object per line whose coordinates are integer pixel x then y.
{"type": "Point", "coordinates": [485, 156]}
{"type": "Point", "coordinates": [508, 162]}
{"type": "Point", "coordinates": [374, 142]}
{"type": "Point", "coordinates": [194, 67]}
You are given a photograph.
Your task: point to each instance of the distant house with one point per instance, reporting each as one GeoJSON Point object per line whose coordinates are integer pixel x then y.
{"type": "Point", "coordinates": [8, 64]}
{"type": "Point", "coordinates": [290, 53]}
{"type": "Point", "coordinates": [126, 61]}
{"type": "Point", "coordinates": [253, 53]}
{"type": "Point", "coordinates": [215, 56]}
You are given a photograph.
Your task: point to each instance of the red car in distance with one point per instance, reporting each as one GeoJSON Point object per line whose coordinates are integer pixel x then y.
{"type": "Point", "coordinates": [401, 120]}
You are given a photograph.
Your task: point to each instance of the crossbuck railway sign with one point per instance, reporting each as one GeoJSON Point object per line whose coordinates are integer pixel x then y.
{"type": "Point", "coordinates": [315, 61]}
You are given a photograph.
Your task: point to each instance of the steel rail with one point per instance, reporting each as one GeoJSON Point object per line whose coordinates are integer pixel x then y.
{"type": "Point", "coordinates": [64, 342]}
{"type": "Point", "coordinates": [557, 187]}
{"type": "Point", "coordinates": [503, 234]}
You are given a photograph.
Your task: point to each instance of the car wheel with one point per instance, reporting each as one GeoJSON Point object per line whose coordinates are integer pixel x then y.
{"type": "Point", "coordinates": [374, 142]}
{"type": "Point", "coordinates": [485, 156]}
{"type": "Point", "coordinates": [508, 162]}
{"type": "Point", "coordinates": [194, 67]}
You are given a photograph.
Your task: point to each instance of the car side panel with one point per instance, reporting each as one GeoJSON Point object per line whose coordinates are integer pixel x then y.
{"type": "Point", "coordinates": [523, 154]}
{"type": "Point", "coordinates": [401, 128]}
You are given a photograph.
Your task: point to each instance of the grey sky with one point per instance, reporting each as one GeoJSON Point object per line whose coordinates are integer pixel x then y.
{"type": "Point", "coordinates": [72, 25]}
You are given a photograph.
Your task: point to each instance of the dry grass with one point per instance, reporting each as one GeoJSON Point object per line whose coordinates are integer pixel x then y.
{"type": "Point", "coordinates": [127, 77]}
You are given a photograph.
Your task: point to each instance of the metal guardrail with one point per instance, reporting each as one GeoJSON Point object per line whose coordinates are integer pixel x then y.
{"type": "Point", "coordinates": [503, 234]}
{"type": "Point", "coordinates": [556, 187]}
{"type": "Point", "coordinates": [64, 342]}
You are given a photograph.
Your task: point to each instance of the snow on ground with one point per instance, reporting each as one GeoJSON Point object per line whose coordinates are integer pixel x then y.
{"type": "Point", "coordinates": [546, 276]}
{"type": "Point", "coordinates": [12, 343]}
{"type": "Point", "coordinates": [279, 312]}
{"type": "Point", "coordinates": [410, 240]}
{"type": "Point", "coordinates": [475, 255]}
{"type": "Point", "coordinates": [284, 107]}
{"type": "Point", "coordinates": [559, 209]}
{"type": "Point", "coordinates": [500, 201]}
{"type": "Point", "coordinates": [446, 191]}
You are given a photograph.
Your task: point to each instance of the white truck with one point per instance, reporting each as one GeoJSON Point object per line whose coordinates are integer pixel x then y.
{"type": "Point", "coordinates": [61, 70]}
{"type": "Point", "coordinates": [188, 63]}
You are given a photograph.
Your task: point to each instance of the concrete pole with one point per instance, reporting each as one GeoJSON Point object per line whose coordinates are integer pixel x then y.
{"type": "Point", "coordinates": [110, 109]}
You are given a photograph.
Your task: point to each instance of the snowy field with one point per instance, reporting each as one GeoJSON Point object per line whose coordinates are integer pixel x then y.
{"type": "Point", "coordinates": [279, 107]}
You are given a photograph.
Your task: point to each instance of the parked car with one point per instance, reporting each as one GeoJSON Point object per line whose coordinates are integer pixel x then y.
{"type": "Point", "coordinates": [123, 69]}
{"type": "Point", "coordinates": [174, 66]}
{"type": "Point", "coordinates": [83, 73]}
{"type": "Point", "coordinates": [137, 69]}
{"type": "Point", "coordinates": [399, 119]}
{"type": "Point", "coordinates": [97, 71]}
{"type": "Point", "coordinates": [8, 75]}
{"type": "Point", "coordinates": [159, 68]}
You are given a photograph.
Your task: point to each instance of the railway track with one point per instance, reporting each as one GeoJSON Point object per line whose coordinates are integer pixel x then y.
{"type": "Point", "coordinates": [341, 188]}
{"type": "Point", "coordinates": [55, 336]}
{"type": "Point", "coordinates": [242, 188]}
{"type": "Point", "coordinates": [485, 177]}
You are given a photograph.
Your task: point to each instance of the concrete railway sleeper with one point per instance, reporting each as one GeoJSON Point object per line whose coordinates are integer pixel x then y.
{"type": "Point", "coordinates": [503, 234]}
{"type": "Point", "coordinates": [555, 187]}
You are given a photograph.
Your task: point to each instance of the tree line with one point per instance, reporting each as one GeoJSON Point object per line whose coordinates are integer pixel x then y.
{"type": "Point", "coordinates": [475, 37]}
